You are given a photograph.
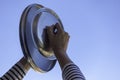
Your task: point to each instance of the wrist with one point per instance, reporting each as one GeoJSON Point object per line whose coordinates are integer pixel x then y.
{"type": "Point", "coordinates": [25, 64]}
{"type": "Point", "coordinates": [59, 50]}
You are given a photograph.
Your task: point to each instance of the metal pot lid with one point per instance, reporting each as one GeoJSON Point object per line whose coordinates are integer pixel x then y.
{"type": "Point", "coordinates": [33, 36]}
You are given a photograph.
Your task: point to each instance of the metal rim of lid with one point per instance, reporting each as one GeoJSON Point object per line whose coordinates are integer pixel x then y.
{"type": "Point", "coordinates": [37, 61]}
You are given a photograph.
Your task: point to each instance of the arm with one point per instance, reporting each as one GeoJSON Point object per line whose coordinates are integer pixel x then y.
{"type": "Point", "coordinates": [58, 42]}
{"type": "Point", "coordinates": [18, 71]}
{"type": "Point", "coordinates": [70, 71]}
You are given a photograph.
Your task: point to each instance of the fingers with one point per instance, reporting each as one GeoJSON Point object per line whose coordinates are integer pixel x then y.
{"type": "Point", "coordinates": [59, 28]}
{"type": "Point", "coordinates": [54, 29]}
{"type": "Point", "coordinates": [66, 40]}
{"type": "Point", "coordinates": [50, 30]}
{"type": "Point", "coordinates": [67, 36]}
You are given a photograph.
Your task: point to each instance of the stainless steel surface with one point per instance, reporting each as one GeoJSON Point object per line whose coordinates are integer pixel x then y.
{"type": "Point", "coordinates": [33, 36]}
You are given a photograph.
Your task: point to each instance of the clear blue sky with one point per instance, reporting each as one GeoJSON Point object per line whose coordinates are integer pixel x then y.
{"type": "Point", "coordinates": [94, 27]}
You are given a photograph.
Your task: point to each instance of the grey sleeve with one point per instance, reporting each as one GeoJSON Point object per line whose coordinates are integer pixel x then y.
{"type": "Point", "coordinates": [72, 72]}
{"type": "Point", "coordinates": [17, 72]}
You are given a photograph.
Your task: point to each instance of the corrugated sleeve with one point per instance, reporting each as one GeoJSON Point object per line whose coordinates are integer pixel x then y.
{"type": "Point", "coordinates": [17, 72]}
{"type": "Point", "coordinates": [72, 72]}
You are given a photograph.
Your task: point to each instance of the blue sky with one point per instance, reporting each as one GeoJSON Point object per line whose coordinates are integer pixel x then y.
{"type": "Point", "coordinates": [94, 27]}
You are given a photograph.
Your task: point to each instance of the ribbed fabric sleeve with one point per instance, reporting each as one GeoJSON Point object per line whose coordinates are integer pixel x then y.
{"type": "Point", "coordinates": [72, 72]}
{"type": "Point", "coordinates": [17, 72]}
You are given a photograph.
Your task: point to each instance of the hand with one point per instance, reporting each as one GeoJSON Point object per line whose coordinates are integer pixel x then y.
{"type": "Point", "coordinates": [57, 40]}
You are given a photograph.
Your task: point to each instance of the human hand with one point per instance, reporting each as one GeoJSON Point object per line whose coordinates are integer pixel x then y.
{"type": "Point", "coordinates": [58, 40]}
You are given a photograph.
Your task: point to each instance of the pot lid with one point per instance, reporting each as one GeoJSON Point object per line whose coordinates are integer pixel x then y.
{"type": "Point", "coordinates": [33, 36]}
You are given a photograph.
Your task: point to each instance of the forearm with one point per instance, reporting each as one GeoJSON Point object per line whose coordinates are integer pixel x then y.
{"type": "Point", "coordinates": [18, 71]}
{"type": "Point", "coordinates": [70, 71]}
{"type": "Point", "coordinates": [62, 58]}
